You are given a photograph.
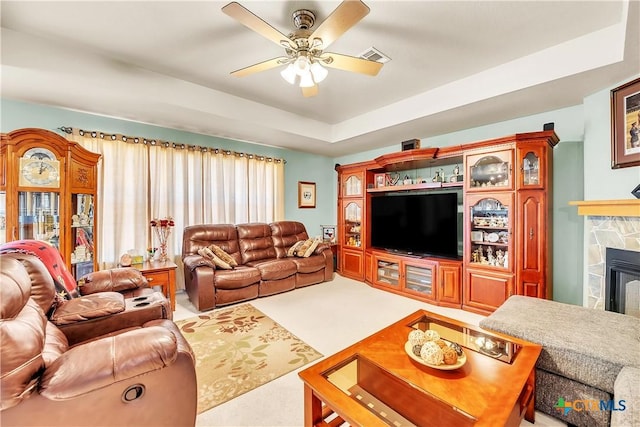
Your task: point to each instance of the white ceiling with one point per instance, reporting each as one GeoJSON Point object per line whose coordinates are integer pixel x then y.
{"type": "Point", "coordinates": [454, 65]}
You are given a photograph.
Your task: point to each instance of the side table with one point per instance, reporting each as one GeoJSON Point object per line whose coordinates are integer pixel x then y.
{"type": "Point", "coordinates": [163, 274]}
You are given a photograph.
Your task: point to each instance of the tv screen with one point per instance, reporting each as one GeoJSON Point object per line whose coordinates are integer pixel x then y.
{"type": "Point", "coordinates": [420, 224]}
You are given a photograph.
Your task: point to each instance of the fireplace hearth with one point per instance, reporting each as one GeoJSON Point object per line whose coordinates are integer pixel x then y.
{"type": "Point", "coordinates": [622, 281]}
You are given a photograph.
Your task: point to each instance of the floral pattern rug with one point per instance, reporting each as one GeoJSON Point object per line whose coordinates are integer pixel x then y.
{"type": "Point", "coordinates": [238, 349]}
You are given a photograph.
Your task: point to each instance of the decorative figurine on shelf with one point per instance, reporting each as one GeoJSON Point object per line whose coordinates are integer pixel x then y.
{"type": "Point", "coordinates": [393, 180]}
{"type": "Point", "coordinates": [436, 177]}
{"type": "Point", "coordinates": [407, 180]}
{"type": "Point", "coordinates": [500, 258]}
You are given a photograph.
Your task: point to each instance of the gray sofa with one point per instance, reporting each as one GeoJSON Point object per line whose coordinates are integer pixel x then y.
{"type": "Point", "coordinates": [588, 356]}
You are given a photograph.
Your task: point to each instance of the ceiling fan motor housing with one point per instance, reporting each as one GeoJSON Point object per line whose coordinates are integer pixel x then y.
{"type": "Point", "coordinates": [303, 19]}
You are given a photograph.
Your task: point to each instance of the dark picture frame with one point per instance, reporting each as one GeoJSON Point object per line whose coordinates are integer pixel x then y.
{"type": "Point", "coordinates": [625, 125]}
{"type": "Point", "coordinates": [306, 194]}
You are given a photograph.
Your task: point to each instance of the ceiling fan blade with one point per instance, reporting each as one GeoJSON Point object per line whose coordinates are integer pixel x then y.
{"type": "Point", "coordinates": [253, 22]}
{"type": "Point", "coordinates": [260, 66]}
{"type": "Point", "coordinates": [353, 64]}
{"type": "Point", "coordinates": [345, 16]}
{"type": "Point", "coordinates": [310, 91]}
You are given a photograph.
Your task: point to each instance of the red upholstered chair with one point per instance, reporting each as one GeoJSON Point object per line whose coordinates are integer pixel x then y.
{"type": "Point", "coordinates": [140, 376]}
{"type": "Point", "coordinates": [105, 301]}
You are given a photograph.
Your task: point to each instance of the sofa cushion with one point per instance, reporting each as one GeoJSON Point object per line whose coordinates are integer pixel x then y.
{"type": "Point", "coordinates": [255, 242]}
{"type": "Point", "coordinates": [293, 250]}
{"type": "Point", "coordinates": [274, 269]}
{"type": "Point", "coordinates": [587, 345]}
{"type": "Point", "coordinates": [304, 248]}
{"type": "Point", "coordinates": [626, 388]}
{"type": "Point", "coordinates": [207, 253]}
{"type": "Point", "coordinates": [239, 277]}
{"type": "Point", "coordinates": [310, 264]}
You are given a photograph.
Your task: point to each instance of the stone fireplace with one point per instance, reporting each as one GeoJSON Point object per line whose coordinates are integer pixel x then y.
{"type": "Point", "coordinates": [618, 232]}
{"type": "Point", "coordinates": [622, 281]}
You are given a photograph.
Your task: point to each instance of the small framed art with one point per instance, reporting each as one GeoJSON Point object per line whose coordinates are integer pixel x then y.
{"type": "Point", "coordinates": [328, 233]}
{"type": "Point", "coordinates": [306, 194]}
{"type": "Point", "coordinates": [625, 125]}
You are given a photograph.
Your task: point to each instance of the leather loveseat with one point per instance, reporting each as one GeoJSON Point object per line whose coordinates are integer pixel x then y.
{"type": "Point", "coordinates": [264, 265]}
{"type": "Point", "coordinates": [133, 376]}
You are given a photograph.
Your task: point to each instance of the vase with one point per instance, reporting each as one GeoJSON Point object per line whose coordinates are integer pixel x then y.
{"type": "Point", "coordinates": [163, 252]}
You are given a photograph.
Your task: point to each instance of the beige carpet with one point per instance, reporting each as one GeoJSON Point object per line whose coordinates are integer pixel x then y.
{"type": "Point", "coordinates": [238, 349]}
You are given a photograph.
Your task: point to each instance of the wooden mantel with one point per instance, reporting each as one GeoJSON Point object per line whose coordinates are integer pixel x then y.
{"type": "Point", "coordinates": [622, 207]}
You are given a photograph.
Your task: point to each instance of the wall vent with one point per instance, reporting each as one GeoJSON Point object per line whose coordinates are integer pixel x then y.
{"type": "Point", "coordinates": [373, 54]}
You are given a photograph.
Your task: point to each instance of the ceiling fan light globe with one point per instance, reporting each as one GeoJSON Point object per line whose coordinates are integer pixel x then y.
{"type": "Point", "coordinates": [306, 80]}
{"type": "Point", "coordinates": [302, 65]}
{"type": "Point", "coordinates": [289, 74]}
{"type": "Point", "coordinates": [319, 72]}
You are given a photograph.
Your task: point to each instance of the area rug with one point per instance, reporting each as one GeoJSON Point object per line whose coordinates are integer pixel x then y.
{"type": "Point", "coordinates": [238, 349]}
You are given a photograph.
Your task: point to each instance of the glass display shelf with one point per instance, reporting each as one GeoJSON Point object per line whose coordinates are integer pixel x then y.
{"type": "Point", "coordinates": [353, 224]}
{"type": "Point", "coordinates": [489, 233]}
{"type": "Point", "coordinates": [530, 169]}
{"type": "Point", "coordinates": [82, 238]}
{"type": "Point", "coordinates": [490, 171]}
{"type": "Point", "coordinates": [39, 216]}
{"type": "Point", "coordinates": [353, 186]}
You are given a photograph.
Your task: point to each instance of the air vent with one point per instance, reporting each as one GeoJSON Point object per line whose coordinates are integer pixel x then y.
{"type": "Point", "coordinates": [373, 54]}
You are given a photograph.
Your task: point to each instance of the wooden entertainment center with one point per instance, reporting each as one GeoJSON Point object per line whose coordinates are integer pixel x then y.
{"type": "Point", "coordinates": [506, 188]}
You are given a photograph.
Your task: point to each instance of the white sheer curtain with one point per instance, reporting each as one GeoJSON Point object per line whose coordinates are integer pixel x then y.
{"type": "Point", "coordinates": [122, 197]}
{"type": "Point", "coordinates": [194, 185]}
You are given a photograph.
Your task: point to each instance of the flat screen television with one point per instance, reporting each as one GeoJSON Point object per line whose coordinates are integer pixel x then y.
{"type": "Point", "coordinates": [421, 224]}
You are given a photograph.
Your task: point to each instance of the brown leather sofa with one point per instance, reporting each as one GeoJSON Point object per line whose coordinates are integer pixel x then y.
{"type": "Point", "coordinates": [260, 251]}
{"type": "Point", "coordinates": [106, 301]}
{"type": "Point", "coordinates": [142, 376]}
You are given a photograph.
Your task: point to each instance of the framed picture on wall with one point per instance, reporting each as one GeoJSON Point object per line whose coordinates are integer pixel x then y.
{"type": "Point", "coordinates": [306, 194]}
{"type": "Point", "coordinates": [625, 125]}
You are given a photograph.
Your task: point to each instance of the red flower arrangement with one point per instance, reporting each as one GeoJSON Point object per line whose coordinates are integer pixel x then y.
{"type": "Point", "coordinates": [162, 228]}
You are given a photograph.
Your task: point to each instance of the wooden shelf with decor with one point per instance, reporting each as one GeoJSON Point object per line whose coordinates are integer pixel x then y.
{"type": "Point", "coordinates": [48, 192]}
{"type": "Point", "coordinates": [504, 182]}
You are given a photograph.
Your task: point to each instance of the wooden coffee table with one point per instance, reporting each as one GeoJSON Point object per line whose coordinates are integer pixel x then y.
{"type": "Point", "coordinates": [375, 383]}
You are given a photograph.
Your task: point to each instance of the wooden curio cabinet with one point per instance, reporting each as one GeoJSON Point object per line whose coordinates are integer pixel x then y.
{"type": "Point", "coordinates": [48, 192]}
{"type": "Point", "coordinates": [508, 221]}
{"type": "Point", "coordinates": [351, 220]}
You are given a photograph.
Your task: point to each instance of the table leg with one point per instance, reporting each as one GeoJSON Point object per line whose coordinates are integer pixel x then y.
{"type": "Point", "coordinates": [312, 408]}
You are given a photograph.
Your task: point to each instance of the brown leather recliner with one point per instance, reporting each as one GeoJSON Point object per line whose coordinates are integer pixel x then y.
{"type": "Point", "coordinates": [142, 376]}
{"type": "Point", "coordinates": [108, 300]}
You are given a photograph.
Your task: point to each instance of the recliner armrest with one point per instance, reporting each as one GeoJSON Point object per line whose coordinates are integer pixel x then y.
{"type": "Point", "coordinates": [88, 307]}
{"type": "Point", "coordinates": [113, 280]}
{"type": "Point", "coordinates": [321, 248]}
{"type": "Point", "coordinates": [194, 261]}
{"type": "Point", "coordinates": [97, 364]}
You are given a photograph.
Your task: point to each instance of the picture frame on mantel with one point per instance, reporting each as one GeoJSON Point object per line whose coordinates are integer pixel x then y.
{"type": "Point", "coordinates": [625, 125]}
{"type": "Point", "coordinates": [306, 194]}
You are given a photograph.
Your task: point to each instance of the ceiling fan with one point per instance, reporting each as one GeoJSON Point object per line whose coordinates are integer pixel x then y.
{"type": "Point", "coordinates": [305, 50]}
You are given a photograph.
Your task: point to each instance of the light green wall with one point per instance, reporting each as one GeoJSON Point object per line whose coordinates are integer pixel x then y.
{"type": "Point", "coordinates": [299, 167]}
{"type": "Point", "coordinates": [568, 169]}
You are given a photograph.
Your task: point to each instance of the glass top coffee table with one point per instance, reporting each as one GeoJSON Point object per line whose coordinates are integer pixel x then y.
{"type": "Point", "coordinates": [377, 382]}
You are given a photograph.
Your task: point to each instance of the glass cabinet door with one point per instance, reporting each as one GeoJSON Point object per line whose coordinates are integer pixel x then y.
{"type": "Point", "coordinates": [532, 167]}
{"type": "Point", "coordinates": [352, 224]}
{"type": "Point", "coordinates": [490, 232]}
{"type": "Point", "coordinates": [387, 273]}
{"type": "Point", "coordinates": [82, 227]}
{"type": "Point", "coordinates": [352, 185]}
{"type": "Point", "coordinates": [420, 279]}
{"type": "Point", "coordinates": [490, 171]}
{"type": "Point", "coordinates": [39, 216]}
{"type": "Point", "coordinates": [3, 217]}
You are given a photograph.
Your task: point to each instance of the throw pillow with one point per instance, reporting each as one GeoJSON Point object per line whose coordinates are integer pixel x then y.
{"type": "Point", "coordinates": [223, 255]}
{"type": "Point", "coordinates": [293, 250]}
{"type": "Point", "coordinates": [310, 248]}
{"type": "Point", "coordinates": [207, 253]}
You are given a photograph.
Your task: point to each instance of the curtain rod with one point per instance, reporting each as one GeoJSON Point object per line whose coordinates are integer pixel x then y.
{"type": "Point", "coordinates": [166, 144]}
